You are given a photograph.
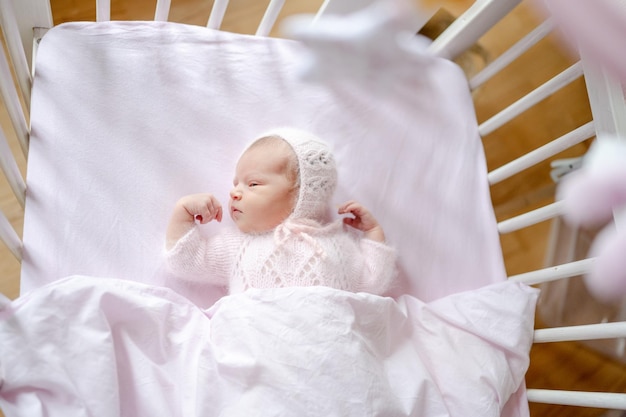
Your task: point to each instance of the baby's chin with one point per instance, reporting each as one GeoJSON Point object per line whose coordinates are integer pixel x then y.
{"type": "Point", "coordinates": [255, 229]}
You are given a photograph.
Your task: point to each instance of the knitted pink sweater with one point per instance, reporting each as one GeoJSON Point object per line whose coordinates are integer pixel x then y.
{"type": "Point", "coordinates": [293, 254]}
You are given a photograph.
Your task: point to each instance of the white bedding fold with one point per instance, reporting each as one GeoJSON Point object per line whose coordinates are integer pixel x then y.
{"type": "Point", "coordinates": [104, 347]}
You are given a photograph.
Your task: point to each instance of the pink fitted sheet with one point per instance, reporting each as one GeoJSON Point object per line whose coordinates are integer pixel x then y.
{"type": "Point", "coordinates": [129, 116]}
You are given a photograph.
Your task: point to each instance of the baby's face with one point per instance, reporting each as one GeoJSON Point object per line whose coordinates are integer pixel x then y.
{"type": "Point", "coordinates": [263, 195]}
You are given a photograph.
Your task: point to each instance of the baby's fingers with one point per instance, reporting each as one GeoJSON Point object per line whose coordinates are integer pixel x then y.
{"type": "Point", "coordinates": [207, 218]}
{"type": "Point", "coordinates": [350, 207]}
{"type": "Point", "coordinates": [351, 221]}
{"type": "Point", "coordinates": [214, 213]}
{"type": "Point", "coordinates": [218, 215]}
{"type": "Point", "coordinates": [211, 210]}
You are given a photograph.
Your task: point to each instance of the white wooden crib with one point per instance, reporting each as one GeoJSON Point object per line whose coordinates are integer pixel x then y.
{"type": "Point", "coordinates": [25, 22]}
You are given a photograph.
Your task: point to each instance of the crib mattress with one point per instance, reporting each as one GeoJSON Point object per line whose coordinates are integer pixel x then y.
{"type": "Point", "coordinates": [129, 116]}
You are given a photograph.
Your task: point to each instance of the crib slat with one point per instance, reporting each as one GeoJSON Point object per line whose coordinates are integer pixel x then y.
{"type": "Point", "coordinates": [530, 99]}
{"type": "Point", "coordinates": [269, 18]}
{"type": "Point", "coordinates": [10, 237]}
{"type": "Point", "coordinates": [608, 107]}
{"type": "Point", "coordinates": [511, 54]}
{"type": "Point", "coordinates": [103, 10]}
{"type": "Point", "coordinates": [341, 7]}
{"type": "Point", "coordinates": [38, 34]}
{"type": "Point", "coordinates": [29, 15]}
{"type": "Point", "coordinates": [12, 103]}
{"type": "Point", "coordinates": [217, 14]}
{"type": "Point", "coordinates": [606, 98]}
{"type": "Point", "coordinates": [16, 50]}
{"type": "Point", "coordinates": [554, 273]}
{"type": "Point", "coordinates": [162, 11]}
{"type": "Point", "coordinates": [608, 400]}
{"type": "Point", "coordinates": [583, 332]}
{"type": "Point", "coordinates": [470, 26]}
{"type": "Point", "coordinates": [542, 153]}
{"type": "Point", "coordinates": [530, 218]}
{"type": "Point", "coordinates": [11, 170]}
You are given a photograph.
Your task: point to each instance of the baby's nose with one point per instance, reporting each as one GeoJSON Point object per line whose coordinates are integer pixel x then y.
{"type": "Point", "coordinates": [235, 194]}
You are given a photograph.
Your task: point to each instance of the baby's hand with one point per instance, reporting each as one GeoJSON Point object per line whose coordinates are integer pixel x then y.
{"type": "Point", "coordinates": [202, 207]}
{"type": "Point", "coordinates": [363, 220]}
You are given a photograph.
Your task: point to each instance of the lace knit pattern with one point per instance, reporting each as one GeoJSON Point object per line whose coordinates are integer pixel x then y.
{"type": "Point", "coordinates": [317, 183]}
{"type": "Point", "coordinates": [317, 172]}
{"type": "Point", "coordinates": [333, 257]}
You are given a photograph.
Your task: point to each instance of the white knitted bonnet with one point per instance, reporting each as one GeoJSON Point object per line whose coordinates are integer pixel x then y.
{"type": "Point", "coordinates": [317, 173]}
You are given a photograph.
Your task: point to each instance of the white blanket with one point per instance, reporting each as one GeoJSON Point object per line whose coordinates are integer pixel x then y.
{"type": "Point", "coordinates": [104, 347]}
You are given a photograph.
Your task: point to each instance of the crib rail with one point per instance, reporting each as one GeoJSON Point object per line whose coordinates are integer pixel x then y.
{"type": "Point", "coordinates": [608, 400]}
{"type": "Point", "coordinates": [531, 99]}
{"type": "Point", "coordinates": [531, 218]}
{"type": "Point", "coordinates": [12, 102]}
{"type": "Point", "coordinates": [511, 54]}
{"type": "Point", "coordinates": [10, 237]}
{"type": "Point", "coordinates": [217, 14]}
{"type": "Point", "coordinates": [218, 11]}
{"type": "Point", "coordinates": [467, 29]}
{"type": "Point", "coordinates": [553, 273]}
{"type": "Point", "coordinates": [541, 154]}
{"type": "Point", "coordinates": [12, 33]}
{"type": "Point", "coordinates": [604, 93]}
{"type": "Point", "coordinates": [581, 332]}
{"type": "Point", "coordinates": [11, 170]}
{"type": "Point", "coordinates": [15, 89]}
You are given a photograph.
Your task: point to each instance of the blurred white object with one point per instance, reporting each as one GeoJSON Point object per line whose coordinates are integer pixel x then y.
{"type": "Point", "coordinates": [593, 196]}
{"type": "Point", "coordinates": [378, 40]}
{"type": "Point", "coordinates": [598, 28]}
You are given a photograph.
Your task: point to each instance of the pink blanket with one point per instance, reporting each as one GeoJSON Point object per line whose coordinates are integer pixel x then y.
{"type": "Point", "coordinates": [103, 347]}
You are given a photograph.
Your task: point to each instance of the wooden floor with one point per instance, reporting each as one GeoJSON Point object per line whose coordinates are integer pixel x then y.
{"type": "Point", "coordinates": [563, 365]}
